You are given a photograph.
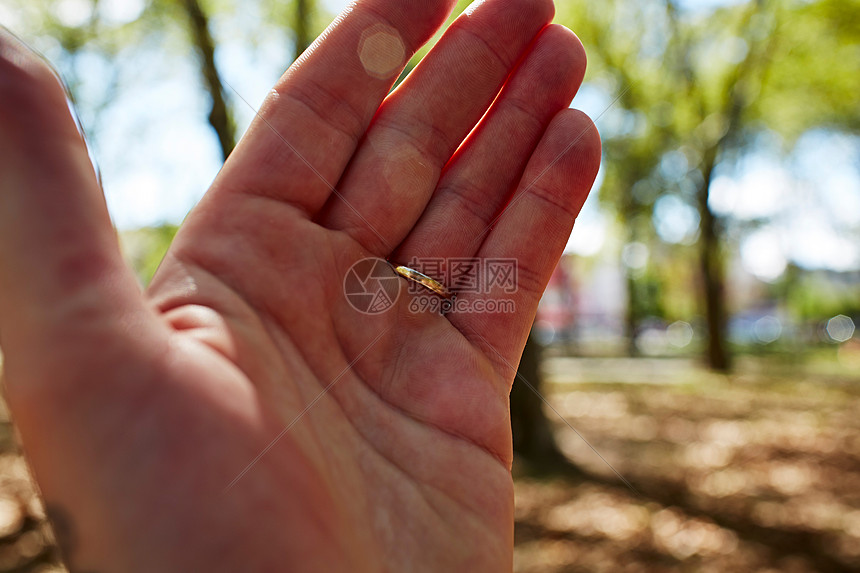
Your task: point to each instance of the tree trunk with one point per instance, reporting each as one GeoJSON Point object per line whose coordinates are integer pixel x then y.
{"type": "Point", "coordinates": [219, 114]}
{"type": "Point", "coordinates": [631, 317]}
{"type": "Point", "coordinates": [712, 265]}
{"type": "Point", "coordinates": [533, 435]}
{"type": "Point", "coordinates": [713, 274]}
{"type": "Point", "coordinates": [302, 26]}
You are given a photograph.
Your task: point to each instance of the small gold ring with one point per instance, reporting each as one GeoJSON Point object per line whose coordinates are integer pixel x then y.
{"type": "Point", "coordinates": [424, 280]}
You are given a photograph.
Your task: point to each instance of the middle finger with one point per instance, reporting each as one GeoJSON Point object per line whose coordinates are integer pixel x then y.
{"type": "Point", "coordinates": [422, 123]}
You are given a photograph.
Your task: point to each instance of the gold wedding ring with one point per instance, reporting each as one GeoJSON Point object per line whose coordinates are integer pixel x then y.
{"type": "Point", "coordinates": [424, 280]}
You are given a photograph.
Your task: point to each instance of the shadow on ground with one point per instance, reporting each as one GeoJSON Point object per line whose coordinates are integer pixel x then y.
{"type": "Point", "coordinates": [757, 472]}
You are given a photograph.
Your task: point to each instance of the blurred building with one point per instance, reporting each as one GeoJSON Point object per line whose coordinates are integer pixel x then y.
{"type": "Point", "coordinates": [584, 310]}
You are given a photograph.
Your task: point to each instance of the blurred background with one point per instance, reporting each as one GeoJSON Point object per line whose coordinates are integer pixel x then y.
{"type": "Point", "coordinates": [700, 331]}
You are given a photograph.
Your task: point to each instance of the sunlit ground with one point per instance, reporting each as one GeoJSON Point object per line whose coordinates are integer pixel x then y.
{"type": "Point", "coordinates": [756, 472]}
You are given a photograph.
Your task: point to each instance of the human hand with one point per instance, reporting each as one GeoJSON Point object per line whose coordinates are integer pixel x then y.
{"type": "Point", "coordinates": [241, 415]}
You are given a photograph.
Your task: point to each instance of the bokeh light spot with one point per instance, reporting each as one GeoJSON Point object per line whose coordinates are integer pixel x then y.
{"type": "Point", "coordinates": [679, 334]}
{"type": "Point", "coordinates": [840, 328]}
{"type": "Point", "coordinates": [381, 51]}
{"type": "Point", "coordinates": [767, 329]}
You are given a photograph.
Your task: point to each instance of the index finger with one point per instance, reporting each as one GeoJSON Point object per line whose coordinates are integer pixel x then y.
{"type": "Point", "coordinates": [311, 123]}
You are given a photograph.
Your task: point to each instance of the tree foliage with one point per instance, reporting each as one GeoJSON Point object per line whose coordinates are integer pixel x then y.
{"type": "Point", "coordinates": [695, 89]}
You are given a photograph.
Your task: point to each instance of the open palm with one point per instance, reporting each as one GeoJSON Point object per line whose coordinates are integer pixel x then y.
{"type": "Point", "coordinates": [242, 414]}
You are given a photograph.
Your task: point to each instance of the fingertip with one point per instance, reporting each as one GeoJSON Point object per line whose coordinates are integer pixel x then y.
{"type": "Point", "coordinates": [33, 99]}
{"type": "Point", "coordinates": [567, 47]}
{"type": "Point", "coordinates": [571, 147]}
{"type": "Point", "coordinates": [508, 17]}
{"type": "Point", "coordinates": [592, 146]}
{"type": "Point", "coordinates": [583, 139]}
{"type": "Point", "coordinates": [541, 8]}
{"type": "Point", "coordinates": [557, 60]}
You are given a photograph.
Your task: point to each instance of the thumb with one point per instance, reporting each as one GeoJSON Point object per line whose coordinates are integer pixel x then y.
{"type": "Point", "coordinates": [62, 278]}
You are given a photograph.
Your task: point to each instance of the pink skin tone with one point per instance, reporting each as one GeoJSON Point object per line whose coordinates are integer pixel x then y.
{"type": "Point", "coordinates": [137, 410]}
